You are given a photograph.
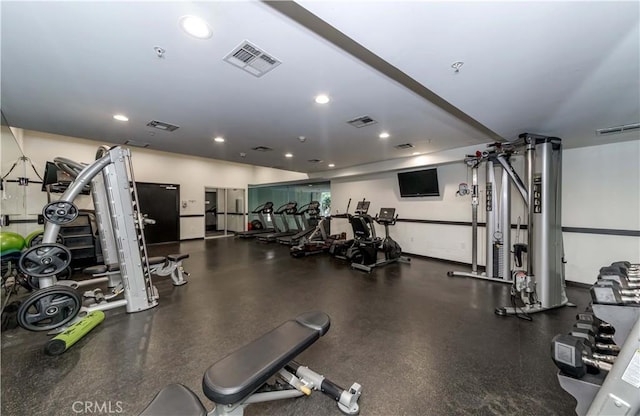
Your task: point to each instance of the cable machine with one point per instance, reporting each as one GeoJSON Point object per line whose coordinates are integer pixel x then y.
{"type": "Point", "coordinates": [541, 285]}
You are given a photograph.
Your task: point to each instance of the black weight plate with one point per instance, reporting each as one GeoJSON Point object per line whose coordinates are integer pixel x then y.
{"type": "Point", "coordinates": [45, 260]}
{"type": "Point", "coordinates": [60, 212]}
{"type": "Point", "coordinates": [49, 308]}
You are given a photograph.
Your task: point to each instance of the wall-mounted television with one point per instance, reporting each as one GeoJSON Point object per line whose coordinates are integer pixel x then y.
{"type": "Point", "coordinates": [419, 183]}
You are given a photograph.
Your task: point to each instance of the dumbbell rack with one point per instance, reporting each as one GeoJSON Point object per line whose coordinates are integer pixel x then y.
{"type": "Point", "coordinates": [616, 392]}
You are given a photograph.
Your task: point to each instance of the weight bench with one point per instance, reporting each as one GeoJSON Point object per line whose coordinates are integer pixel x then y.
{"type": "Point", "coordinates": [159, 266]}
{"type": "Point", "coordinates": [240, 378]}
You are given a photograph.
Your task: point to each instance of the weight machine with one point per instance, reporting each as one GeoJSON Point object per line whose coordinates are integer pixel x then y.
{"type": "Point", "coordinates": [541, 285]}
{"type": "Point", "coordinates": [121, 226]}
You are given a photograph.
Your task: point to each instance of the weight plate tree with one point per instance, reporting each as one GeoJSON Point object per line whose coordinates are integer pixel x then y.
{"type": "Point", "coordinates": [49, 308]}
{"type": "Point", "coordinates": [45, 260]}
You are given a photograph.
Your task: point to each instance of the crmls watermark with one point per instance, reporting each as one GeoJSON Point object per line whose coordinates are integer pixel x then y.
{"type": "Point", "coordinates": [88, 407]}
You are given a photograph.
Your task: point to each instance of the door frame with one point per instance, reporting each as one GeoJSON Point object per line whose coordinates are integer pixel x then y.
{"type": "Point", "coordinates": [224, 191]}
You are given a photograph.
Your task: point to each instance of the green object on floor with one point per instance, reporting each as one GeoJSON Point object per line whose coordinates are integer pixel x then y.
{"type": "Point", "coordinates": [63, 341]}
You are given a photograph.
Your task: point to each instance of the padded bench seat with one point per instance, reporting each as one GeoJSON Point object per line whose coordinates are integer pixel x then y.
{"type": "Point", "coordinates": [242, 372]}
{"type": "Point", "coordinates": [173, 400]}
{"type": "Point", "coordinates": [101, 268]}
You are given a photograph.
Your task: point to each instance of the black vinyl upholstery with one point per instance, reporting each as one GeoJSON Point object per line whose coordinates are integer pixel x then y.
{"type": "Point", "coordinates": [242, 372]}
{"type": "Point", "coordinates": [173, 400]}
{"type": "Point", "coordinates": [177, 257]}
{"type": "Point", "coordinates": [101, 268]}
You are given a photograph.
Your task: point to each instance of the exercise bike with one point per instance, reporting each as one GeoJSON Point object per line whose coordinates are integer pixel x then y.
{"type": "Point", "coordinates": [364, 253]}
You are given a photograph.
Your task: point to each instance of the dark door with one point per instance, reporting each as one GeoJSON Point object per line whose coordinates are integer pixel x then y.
{"type": "Point", "coordinates": [160, 202]}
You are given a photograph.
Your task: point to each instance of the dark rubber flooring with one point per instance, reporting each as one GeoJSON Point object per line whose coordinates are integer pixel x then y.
{"type": "Point", "coordinates": [419, 342]}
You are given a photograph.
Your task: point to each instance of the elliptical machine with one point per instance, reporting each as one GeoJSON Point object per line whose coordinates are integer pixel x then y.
{"type": "Point", "coordinates": [364, 253]}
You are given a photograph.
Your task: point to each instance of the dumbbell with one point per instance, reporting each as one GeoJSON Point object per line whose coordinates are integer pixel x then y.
{"type": "Point", "coordinates": [627, 268]}
{"type": "Point", "coordinates": [609, 293]}
{"type": "Point", "coordinates": [574, 359]}
{"type": "Point", "coordinates": [604, 342]}
{"type": "Point", "coordinates": [587, 319]}
{"type": "Point", "coordinates": [617, 275]}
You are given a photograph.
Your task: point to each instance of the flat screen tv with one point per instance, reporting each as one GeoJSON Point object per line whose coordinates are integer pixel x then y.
{"type": "Point", "coordinates": [419, 183]}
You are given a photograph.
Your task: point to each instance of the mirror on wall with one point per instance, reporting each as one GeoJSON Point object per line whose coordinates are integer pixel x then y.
{"type": "Point", "coordinates": [302, 193]}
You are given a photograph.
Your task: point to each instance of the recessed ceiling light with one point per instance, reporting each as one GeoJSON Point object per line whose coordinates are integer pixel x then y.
{"type": "Point", "coordinates": [384, 135]}
{"type": "Point", "coordinates": [331, 165]}
{"type": "Point", "coordinates": [121, 117]}
{"type": "Point", "coordinates": [288, 155]}
{"type": "Point", "coordinates": [322, 99]}
{"type": "Point", "coordinates": [219, 139]}
{"type": "Point", "coordinates": [196, 27]}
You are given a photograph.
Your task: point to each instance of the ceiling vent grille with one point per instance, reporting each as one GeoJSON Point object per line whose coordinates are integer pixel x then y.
{"type": "Point", "coordinates": [161, 125]}
{"type": "Point", "coordinates": [250, 58]}
{"type": "Point", "coordinates": [404, 146]}
{"type": "Point", "coordinates": [314, 160]}
{"type": "Point", "coordinates": [262, 149]}
{"type": "Point", "coordinates": [136, 143]}
{"type": "Point", "coordinates": [618, 129]}
{"type": "Point", "coordinates": [362, 121]}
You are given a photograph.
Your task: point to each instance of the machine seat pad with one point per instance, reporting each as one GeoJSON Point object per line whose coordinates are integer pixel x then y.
{"type": "Point", "coordinates": [97, 269]}
{"type": "Point", "coordinates": [177, 257]}
{"type": "Point", "coordinates": [236, 376]}
{"type": "Point", "coordinates": [175, 399]}
{"type": "Point", "coordinates": [156, 260]}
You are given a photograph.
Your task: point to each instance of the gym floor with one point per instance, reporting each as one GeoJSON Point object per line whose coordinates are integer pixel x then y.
{"type": "Point", "coordinates": [419, 342]}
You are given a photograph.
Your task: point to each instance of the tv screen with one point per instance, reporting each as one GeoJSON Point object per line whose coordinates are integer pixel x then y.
{"type": "Point", "coordinates": [419, 183]}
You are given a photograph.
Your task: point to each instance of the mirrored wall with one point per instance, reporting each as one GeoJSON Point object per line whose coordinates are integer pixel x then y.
{"type": "Point", "coordinates": [280, 194]}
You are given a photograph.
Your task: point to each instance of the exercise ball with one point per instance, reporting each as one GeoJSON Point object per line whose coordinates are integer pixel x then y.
{"type": "Point", "coordinates": [10, 242]}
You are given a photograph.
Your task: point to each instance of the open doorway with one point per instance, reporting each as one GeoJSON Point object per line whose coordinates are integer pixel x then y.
{"type": "Point", "coordinates": [211, 214]}
{"type": "Point", "coordinates": [223, 211]}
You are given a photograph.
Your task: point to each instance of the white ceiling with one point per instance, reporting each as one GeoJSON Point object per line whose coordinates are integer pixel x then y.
{"type": "Point", "coordinates": [555, 68]}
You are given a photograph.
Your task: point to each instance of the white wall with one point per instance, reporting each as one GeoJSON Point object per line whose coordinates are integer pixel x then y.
{"type": "Point", "coordinates": [193, 174]}
{"type": "Point", "coordinates": [601, 189]}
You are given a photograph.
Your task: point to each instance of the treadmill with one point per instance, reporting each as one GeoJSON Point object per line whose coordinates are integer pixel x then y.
{"type": "Point", "coordinates": [289, 208]}
{"type": "Point", "coordinates": [260, 211]}
{"type": "Point", "coordinates": [312, 209]}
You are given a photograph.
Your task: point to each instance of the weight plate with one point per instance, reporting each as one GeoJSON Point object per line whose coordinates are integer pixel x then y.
{"type": "Point", "coordinates": [45, 260]}
{"type": "Point", "coordinates": [60, 212]}
{"type": "Point", "coordinates": [49, 308]}
{"type": "Point", "coordinates": [37, 239]}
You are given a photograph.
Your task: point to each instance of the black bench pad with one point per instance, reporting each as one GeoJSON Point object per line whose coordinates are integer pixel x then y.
{"type": "Point", "coordinates": [101, 268]}
{"type": "Point", "coordinates": [177, 257]}
{"type": "Point", "coordinates": [242, 372]}
{"type": "Point", "coordinates": [175, 399]}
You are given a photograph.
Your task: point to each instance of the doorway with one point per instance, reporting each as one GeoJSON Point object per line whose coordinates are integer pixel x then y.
{"type": "Point", "coordinates": [224, 211]}
{"type": "Point", "coordinates": [160, 202]}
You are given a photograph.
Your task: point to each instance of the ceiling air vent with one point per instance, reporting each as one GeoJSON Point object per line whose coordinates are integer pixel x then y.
{"type": "Point", "coordinates": [262, 149]}
{"type": "Point", "coordinates": [314, 160]}
{"type": "Point", "coordinates": [249, 57]}
{"type": "Point", "coordinates": [618, 129]}
{"type": "Point", "coordinates": [362, 121]}
{"type": "Point", "coordinates": [161, 125]}
{"type": "Point", "coordinates": [136, 143]}
{"type": "Point", "coordinates": [404, 146]}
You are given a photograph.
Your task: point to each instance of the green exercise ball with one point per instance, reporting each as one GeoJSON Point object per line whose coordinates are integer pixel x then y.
{"type": "Point", "coordinates": [10, 242]}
